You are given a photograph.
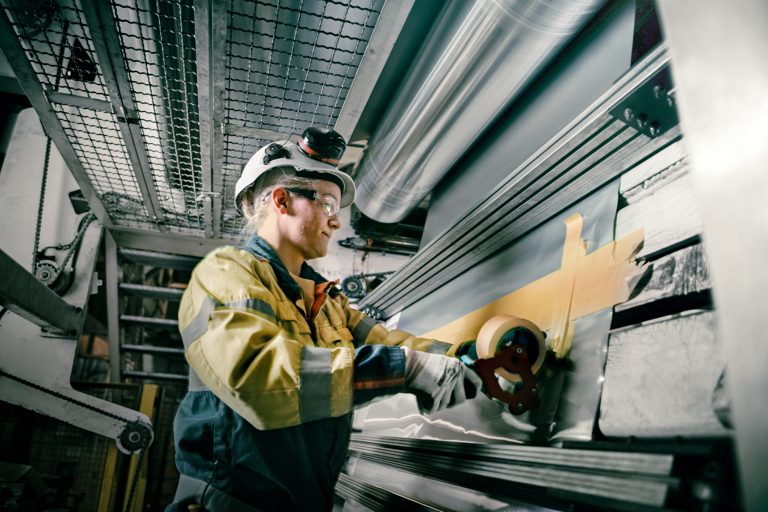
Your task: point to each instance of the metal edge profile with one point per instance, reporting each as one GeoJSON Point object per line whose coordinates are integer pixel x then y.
{"type": "Point", "coordinates": [388, 27]}
{"type": "Point", "coordinates": [106, 42]}
{"type": "Point", "coordinates": [17, 59]}
{"type": "Point", "coordinates": [205, 104]}
{"type": "Point", "coordinates": [577, 132]}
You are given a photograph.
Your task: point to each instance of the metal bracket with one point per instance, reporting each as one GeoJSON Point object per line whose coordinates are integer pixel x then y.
{"type": "Point", "coordinates": [513, 359]}
{"type": "Point", "coordinates": [208, 195]}
{"type": "Point", "coordinates": [651, 108]}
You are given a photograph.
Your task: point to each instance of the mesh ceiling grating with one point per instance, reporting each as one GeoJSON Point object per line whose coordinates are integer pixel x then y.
{"type": "Point", "coordinates": [55, 37]}
{"type": "Point", "coordinates": [158, 46]}
{"type": "Point", "coordinates": [287, 64]}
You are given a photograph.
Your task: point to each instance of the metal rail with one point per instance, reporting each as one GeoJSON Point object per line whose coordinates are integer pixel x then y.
{"type": "Point", "coordinates": [588, 153]}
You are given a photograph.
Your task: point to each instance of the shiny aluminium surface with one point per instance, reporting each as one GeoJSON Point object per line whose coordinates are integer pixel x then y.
{"type": "Point", "coordinates": [478, 58]}
{"type": "Point", "coordinates": [528, 259]}
{"type": "Point", "coordinates": [588, 153]}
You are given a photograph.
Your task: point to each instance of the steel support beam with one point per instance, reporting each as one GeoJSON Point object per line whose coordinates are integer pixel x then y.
{"type": "Point", "coordinates": [106, 42]}
{"type": "Point", "coordinates": [152, 292]}
{"type": "Point", "coordinates": [17, 59]}
{"type": "Point", "coordinates": [79, 101]}
{"type": "Point", "coordinates": [388, 27]}
{"type": "Point", "coordinates": [23, 294]}
{"type": "Point", "coordinates": [155, 376]}
{"type": "Point", "coordinates": [158, 259]}
{"type": "Point", "coordinates": [151, 349]}
{"type": "Point", "coordinates": [167, 242]}
{"type": "Point", "coordinates": [719, 53]}
{"type": "Point", "coordinates": [218, 66]}
{"type": "Point", "coordinates": [150, 322]}
{"type": "Point", "coordinates": [205, 103]}
{"type": "Point", "coordinates": [113, 307]}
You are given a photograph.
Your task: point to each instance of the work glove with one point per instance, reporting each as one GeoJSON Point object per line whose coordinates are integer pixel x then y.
{"type": "Point", "coordinates": [437, 381]}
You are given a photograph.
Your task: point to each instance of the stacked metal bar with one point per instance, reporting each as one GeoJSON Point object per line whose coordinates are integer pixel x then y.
{"type": "Point", "coordinates": [592, 150]}
{"type": "Point", "coordinates": [526, 472]}
{"type": "Point", "coordinates": [379, 499]}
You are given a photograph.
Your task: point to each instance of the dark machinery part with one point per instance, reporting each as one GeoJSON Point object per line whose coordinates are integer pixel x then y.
{"type": "Point", "coordinates": [353, 287]}
{"type": "Point", "coordinates": [275, 151]}
{"type": "Point", "coordinates": [135, 437]}
{"type": "Point", "coordinates": [651, 108]}
{"type": "Point", "coordinates": [513, 359]}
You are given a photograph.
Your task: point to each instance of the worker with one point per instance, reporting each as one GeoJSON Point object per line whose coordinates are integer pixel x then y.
{"type": "Point", "coordinates": [278, 359]}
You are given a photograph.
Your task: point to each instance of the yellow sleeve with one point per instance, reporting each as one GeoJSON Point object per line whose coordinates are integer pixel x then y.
{"type": "Point", "coordinates": [366, 330]}
{"type": "Point", "coordinates": [244, 344]}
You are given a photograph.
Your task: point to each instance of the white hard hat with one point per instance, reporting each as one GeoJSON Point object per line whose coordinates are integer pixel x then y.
{"type": "Point", "coordinates": [288, 154]}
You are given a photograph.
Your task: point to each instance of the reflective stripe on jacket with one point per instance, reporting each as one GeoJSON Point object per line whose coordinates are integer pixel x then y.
{"type": "Point", "coordinates": [288, 382]}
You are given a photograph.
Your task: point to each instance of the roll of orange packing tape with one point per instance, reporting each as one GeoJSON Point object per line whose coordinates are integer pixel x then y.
{"type": "Point", "coordinates": [495, 328]}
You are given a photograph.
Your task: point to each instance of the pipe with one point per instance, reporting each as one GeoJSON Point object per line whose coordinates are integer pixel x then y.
{"type": "Point", "coordinates": [476, 61]}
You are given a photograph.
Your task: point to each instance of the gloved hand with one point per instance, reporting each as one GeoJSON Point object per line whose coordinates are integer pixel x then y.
{"type": "Point", "coordinates": [438, 381]}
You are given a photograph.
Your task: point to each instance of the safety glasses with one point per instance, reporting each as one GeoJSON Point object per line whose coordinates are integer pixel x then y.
{"type": "Point", "coordinates": [329, 203]}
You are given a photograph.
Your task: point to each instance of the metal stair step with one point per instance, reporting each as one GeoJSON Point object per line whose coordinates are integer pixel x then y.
{"type": "Point", "coordinates": [152, 292]}
{"type": "Point", "coordinates": [159, 259]}
{"type": "Point", "coordinates": [151, 349]}
{"type": "Point", "coordinates": [156, 323]}
{"type": "Point", "coordinates": [154, 375]}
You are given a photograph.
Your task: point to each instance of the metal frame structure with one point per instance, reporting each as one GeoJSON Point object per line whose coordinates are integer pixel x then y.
{"type": "Point", "coordinates": [183, 92]}
{"type": "Point", "coordinates": [26, 349]}
{"type": "Point", "coordinates": [588, 153]}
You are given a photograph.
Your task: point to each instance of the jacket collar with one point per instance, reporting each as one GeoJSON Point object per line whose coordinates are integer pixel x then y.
{"type": "Point", "coordinates": [261, 249]}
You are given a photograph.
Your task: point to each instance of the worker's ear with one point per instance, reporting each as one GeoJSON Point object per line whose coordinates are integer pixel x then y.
{"type": "Point", "coordinates": [280, 200]}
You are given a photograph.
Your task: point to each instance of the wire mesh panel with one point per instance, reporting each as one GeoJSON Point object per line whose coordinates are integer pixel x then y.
{"type": "Point", "coordinates": [95, 137]}
{"type": "Point", "coordinates": [59, 48]}
{"type": "Point", "coordinates": [289, 65]}
{"type": "Point", "coordinates": [70, 460]}
{"type": "Point", "coordinates": [158, 45]}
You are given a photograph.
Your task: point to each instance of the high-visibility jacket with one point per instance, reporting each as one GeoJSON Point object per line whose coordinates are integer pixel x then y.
{"type": "Point", "coordinates": [267, 420]}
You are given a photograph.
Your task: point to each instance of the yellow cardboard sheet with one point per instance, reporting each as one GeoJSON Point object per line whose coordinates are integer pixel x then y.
{"type": "Point", "coordinates": [583, 285]}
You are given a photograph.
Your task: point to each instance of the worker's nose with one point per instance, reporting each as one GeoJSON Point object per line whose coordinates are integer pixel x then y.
{"type": "Point", "coordinates": [334, 222]}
